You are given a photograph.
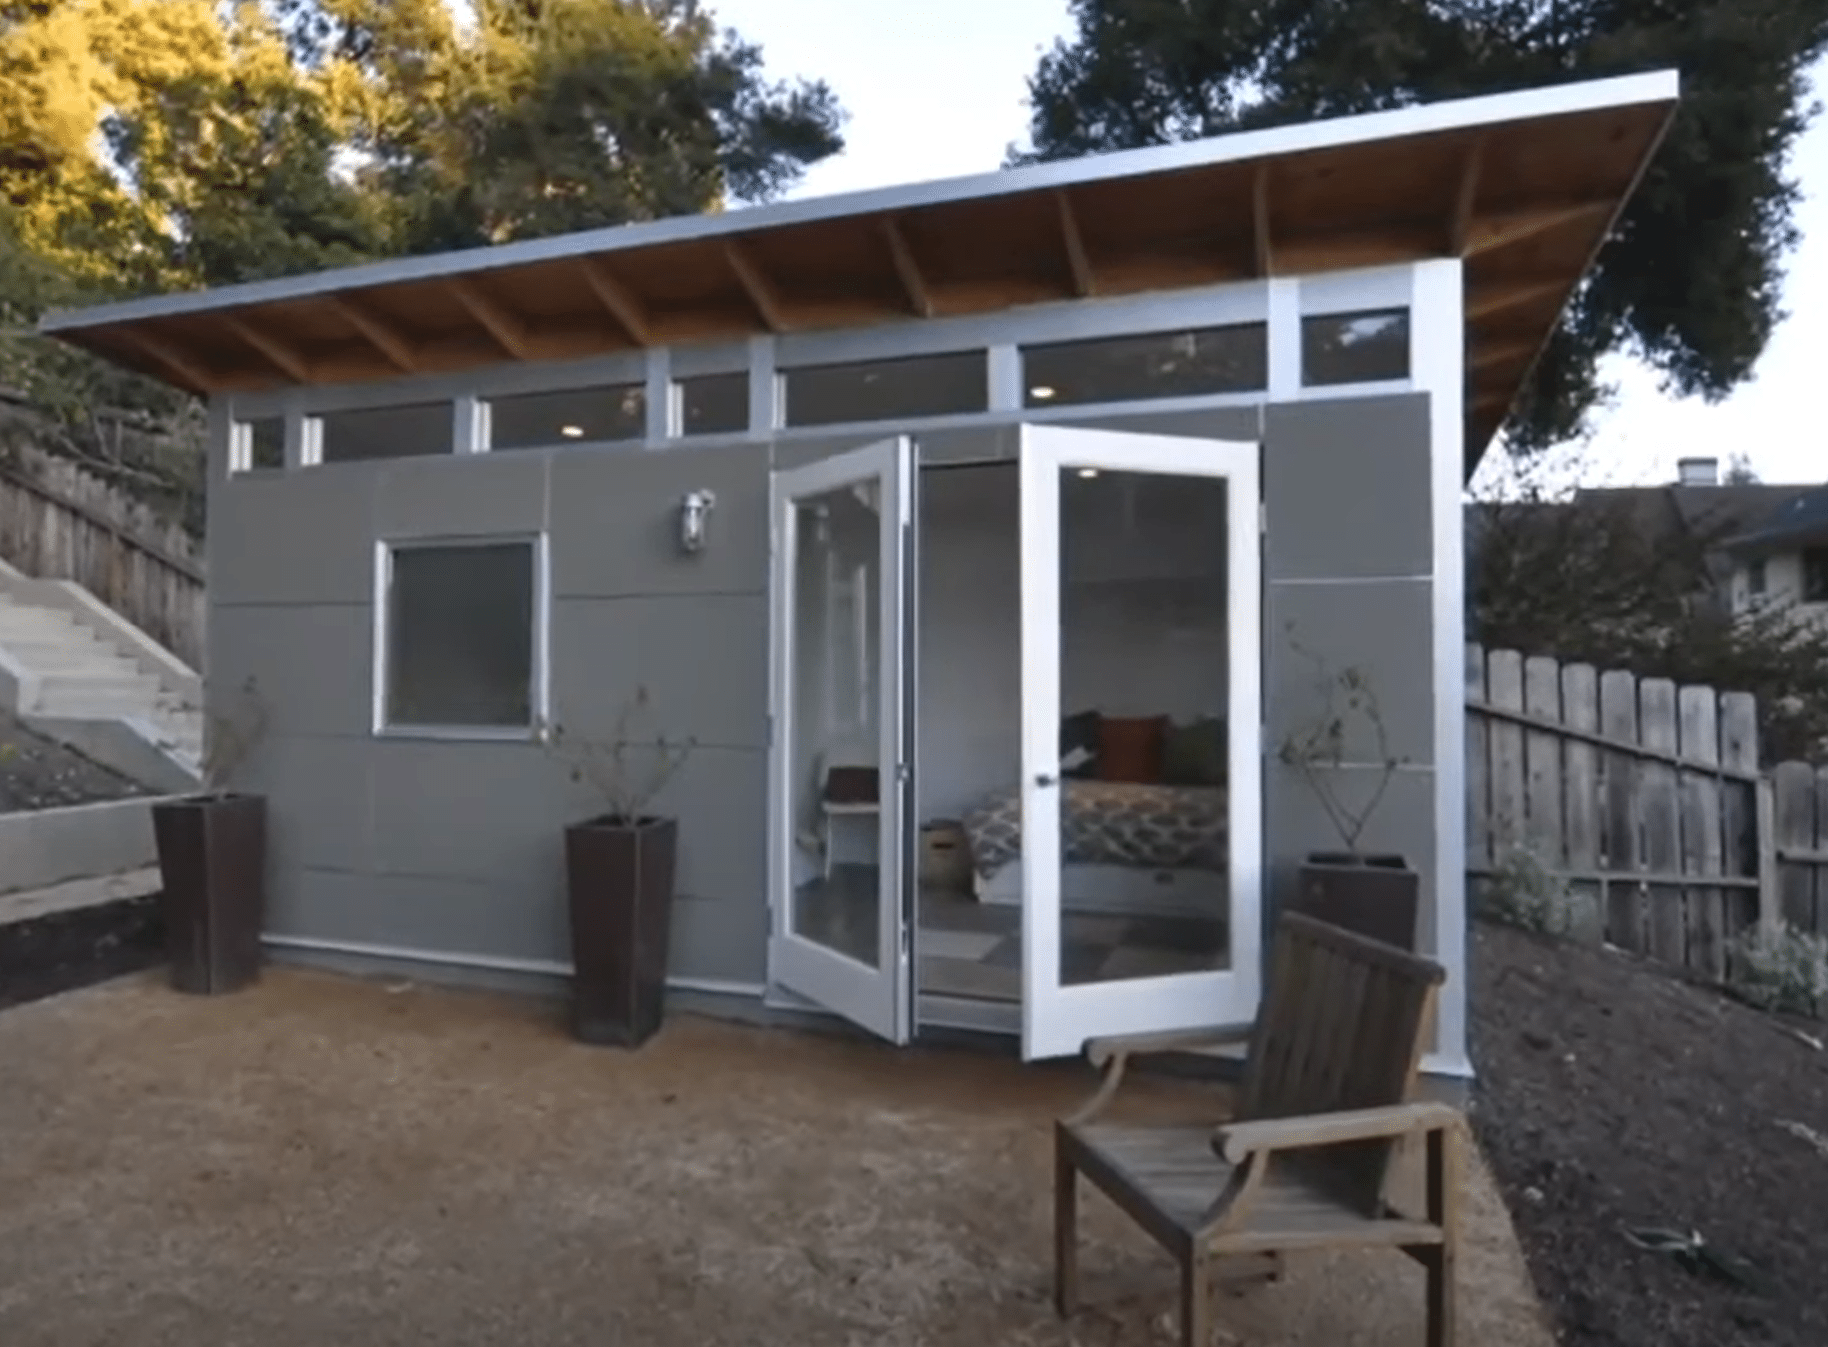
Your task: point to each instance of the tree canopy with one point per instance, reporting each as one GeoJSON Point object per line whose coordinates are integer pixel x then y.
{"type": "Point", "coordinates": [156, 145]}
{"type": "Point", "coordinates": [1690, 282]}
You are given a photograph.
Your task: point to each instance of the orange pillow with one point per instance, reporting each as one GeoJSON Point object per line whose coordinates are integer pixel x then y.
{"type": "Point", "coordinates": [1131, 749]}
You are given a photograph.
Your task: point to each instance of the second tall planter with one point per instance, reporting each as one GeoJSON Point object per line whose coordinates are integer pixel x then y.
{"type": "Point", "coordinates": [619, 880]}
{"type": "Point", "coordinates": [212, 866]}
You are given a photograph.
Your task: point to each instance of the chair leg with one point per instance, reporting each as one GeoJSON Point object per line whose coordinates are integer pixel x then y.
{"type": "Point", "coordinates": [1439, 1262]}
{"type": "Point", "coordinates": [1066, 1233]}
{"type": "Point", "coordinates": [1196, 1301]}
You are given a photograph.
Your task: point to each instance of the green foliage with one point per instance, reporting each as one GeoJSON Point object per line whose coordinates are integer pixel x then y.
{"type": "Point", "coordinates": [1689, 282]}
{"type": "Point", "coordinates": [1779, 967]}
{"type": "Point", "coordinates": [152, 145]}
{"type": "Point", "coordinates": [1589, 582]}
{"type": "Point", "coordinates": [1524, 892]}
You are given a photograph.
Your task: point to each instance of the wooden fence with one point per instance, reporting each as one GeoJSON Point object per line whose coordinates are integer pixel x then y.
{"type": "Point", "coordinates": [1646, 800]}
{"type": "Point", "coordinates": [58, 522]}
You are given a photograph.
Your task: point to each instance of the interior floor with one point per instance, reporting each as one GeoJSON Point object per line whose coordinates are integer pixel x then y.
{"type": "Point", "coordinates": [974, 950]}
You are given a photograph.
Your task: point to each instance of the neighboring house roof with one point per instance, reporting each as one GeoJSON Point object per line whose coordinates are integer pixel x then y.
{"type": "Point", "coordinates": [1800, 520]}
{"type": "Point", "coordinates": [1524, 186]}
{"type": "Point", "coordinates": [1717, 519]}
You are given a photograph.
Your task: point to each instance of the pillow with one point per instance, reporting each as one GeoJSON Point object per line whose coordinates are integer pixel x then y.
{"type": "Point", "coordinates": [1130, 749]}
{"type": "Point", "coordinates": [1079, 746]}
{"type": "Point", "coordinates": [1196, 754]}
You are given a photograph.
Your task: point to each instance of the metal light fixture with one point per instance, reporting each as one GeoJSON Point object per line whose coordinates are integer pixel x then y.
{"type": "Point", "coordinates": [694, 516]}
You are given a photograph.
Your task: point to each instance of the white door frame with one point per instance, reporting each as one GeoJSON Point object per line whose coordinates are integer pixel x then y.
{"type": "Point", "coordinates": [880, 998]}
{"type": "Point", "coordinates": [1056, 1019]}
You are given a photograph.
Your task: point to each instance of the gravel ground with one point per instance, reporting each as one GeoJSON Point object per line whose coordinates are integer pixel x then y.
{"type": "Point", "coordinates": [39, 773]}
{"type": "Point", "coordinates": [319, 1159]}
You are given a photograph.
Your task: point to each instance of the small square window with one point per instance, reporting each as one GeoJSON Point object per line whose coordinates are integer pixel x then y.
{"type": "Point", "coordinates": [888, 390]}
{"type": "Point", "coordinates": [1355, 348]}
{"type": "Point", "coordinates": [385, 432]}
{"type": "Point", "coordinates": [1815, 575]}
{"type": "Point", "coordinates": [1755, 576]}
{"type": "Point", "coordinates": [460, 635]}
{"type": "Point", "coordinates": [539, 420]}
{"type": "Point", "coordinates": [713, 404]}
{"type": "Point", "coordinates": [259, 444]}
{"type": "Point", "coordinates": [1154, 365]}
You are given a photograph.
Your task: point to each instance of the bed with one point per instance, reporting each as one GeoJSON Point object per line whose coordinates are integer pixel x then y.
{"type": "Point", "coordinates": [1126, 847]}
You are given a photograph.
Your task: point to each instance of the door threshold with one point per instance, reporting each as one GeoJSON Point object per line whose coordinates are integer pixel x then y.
{"type": "Point", "coordinates": [967, 1012]}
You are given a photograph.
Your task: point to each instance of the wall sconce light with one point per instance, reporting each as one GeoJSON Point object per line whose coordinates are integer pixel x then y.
{"type": "Point", "coordinates": [694, 515]}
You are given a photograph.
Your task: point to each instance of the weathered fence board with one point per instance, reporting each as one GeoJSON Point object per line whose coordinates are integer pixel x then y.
{"type": "Point", "coordinates": [1646, 801]}
{"type": "Point", "coordinates": [58, 522]}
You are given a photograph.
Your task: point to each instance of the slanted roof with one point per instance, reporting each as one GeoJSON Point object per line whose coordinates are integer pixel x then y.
{"type": "Point", "coordinates": [1800, 521]}
{"type": "Point", "coordinates": [1524, 186]}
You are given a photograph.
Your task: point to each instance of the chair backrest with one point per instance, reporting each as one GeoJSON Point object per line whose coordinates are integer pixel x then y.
{"type": "Point", "coordinates": [1341, 1028]}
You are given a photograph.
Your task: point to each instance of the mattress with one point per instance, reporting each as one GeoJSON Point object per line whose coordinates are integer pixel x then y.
{"type": "Point", "coordinates": [1149, 826]}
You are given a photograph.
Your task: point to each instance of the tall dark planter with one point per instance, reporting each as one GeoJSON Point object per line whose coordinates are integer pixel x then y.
{"type": "Point", "coordinates": [1375, 896]}
{"type": "Point", "coordinates": [619, 876]}
{"type": "Point", "coordinates": [212, 864]}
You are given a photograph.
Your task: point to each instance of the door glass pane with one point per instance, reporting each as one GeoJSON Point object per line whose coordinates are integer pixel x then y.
{"type": "Point", "coordinates": [1144, 653]}
{"type": "Point", "coordinates": [833, 722]}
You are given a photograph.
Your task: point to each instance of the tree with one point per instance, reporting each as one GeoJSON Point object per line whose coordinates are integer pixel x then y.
{"type": "Point", "coordinates": [154, 145]}
{"type": "Point", "coordinates": [151, 145]}
{"type": "Point", "coordinates": [1597, 581]}
{"type": "Point", "coordinates": [1690, 281]}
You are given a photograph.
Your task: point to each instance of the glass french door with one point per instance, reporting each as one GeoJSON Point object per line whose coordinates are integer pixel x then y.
{"type": "Point", "coordinates": [1142, 873]}
{"type": "Point", "coordinates": [838, 747]}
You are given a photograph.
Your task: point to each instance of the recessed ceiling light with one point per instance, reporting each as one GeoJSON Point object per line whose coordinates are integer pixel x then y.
{"type": "Point", "coordinates": [572, 432]}
{"type": "Point", "coordinates": [1088, 472]}
{"type": "Point", "coordinates": [1040, 393]}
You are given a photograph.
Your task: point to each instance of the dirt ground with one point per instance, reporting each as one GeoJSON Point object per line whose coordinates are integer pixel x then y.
{"type": "Point", "coordinates": [39, 773]}
{"type": "Point", "coordinates": [1615, 1096]}
{"type": "Point", "coordinates": [325, 1160]}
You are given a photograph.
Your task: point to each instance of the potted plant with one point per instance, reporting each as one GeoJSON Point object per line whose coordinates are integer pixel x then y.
{"type": "Point", "coordinates": [619, 868]}
{"type": "Point", "coordinates": [212, 861]}
{"type": "Point", "coordinates": [1375, 894]}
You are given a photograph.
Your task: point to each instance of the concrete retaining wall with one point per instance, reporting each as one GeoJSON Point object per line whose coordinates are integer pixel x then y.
{"type": "Point", "coordinates": [42, 847]}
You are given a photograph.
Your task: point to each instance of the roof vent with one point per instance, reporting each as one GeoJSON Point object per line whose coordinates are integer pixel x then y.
{"type": "Point", "coordinates": [1698, 472]}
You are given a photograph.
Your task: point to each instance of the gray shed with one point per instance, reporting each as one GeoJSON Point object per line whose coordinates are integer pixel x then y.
{"type": "Point", "coordinates": [1043, 499]}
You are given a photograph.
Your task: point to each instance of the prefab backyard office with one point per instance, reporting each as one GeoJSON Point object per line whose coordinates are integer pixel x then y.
{"type": "Point", "coordinates": [1024, 509]}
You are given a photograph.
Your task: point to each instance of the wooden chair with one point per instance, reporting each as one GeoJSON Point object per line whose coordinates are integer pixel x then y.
{"type": "Point", "coordinates": [1322, 1105]}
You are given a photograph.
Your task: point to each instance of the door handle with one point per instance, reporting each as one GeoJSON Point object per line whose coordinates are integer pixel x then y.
{"type": "Point", "coordinates": [1046, 779]}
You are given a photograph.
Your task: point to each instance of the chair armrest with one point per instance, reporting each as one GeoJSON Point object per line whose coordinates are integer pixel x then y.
{"type": "Point", "coordinates": [1100, 1051]}
{"type": "Point", "coordinates": [1238, 1141]}
{"type": "Point", "coordinates": [1112, 1056]}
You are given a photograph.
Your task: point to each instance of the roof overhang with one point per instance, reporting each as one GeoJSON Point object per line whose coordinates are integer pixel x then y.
{"type": "Point", "coordinates": [1523, 186]}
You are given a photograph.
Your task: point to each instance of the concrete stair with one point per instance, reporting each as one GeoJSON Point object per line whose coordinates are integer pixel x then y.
{"type": "Point", "coordinates": [77, 672]}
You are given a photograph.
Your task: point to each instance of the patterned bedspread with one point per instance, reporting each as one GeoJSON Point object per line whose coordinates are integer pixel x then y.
{"type": "Point", "coordinates": [1111, 823]}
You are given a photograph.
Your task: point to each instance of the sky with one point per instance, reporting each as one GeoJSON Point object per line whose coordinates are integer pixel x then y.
{"type": "Point", "coordinates": [938, 88]}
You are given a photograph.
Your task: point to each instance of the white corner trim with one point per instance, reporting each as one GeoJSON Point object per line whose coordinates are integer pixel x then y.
{"type": "Point", "coordinates": [1437, 360]}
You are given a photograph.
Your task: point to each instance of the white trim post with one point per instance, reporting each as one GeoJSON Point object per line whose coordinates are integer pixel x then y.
{"type": "Point", "coordinates": [1438, 365]}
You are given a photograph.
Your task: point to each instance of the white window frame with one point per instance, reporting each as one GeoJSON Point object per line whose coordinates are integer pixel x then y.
{"type": "Point", "coordinates": [539, 675]}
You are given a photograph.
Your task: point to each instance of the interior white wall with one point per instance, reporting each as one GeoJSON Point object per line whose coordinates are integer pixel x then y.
{"type": "Point", "coordinates": [1145, 622]}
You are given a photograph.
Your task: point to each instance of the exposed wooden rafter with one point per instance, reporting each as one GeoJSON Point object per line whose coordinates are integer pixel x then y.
{"type": "Point", "coordinates": [504, 327]}
{"type": "Point", "coordinates": [1459, 228]}
{"type": "Point", "coordinates": [761, 291]}
{"type": "Point", "coordinates": [1263, 245]}
{"type": "Point", "coordinates": [177, 363]}
{"type": "Point", "coordinates": [1508, 227]}
{"type": "Point", "coordinates": [377, 332]}
{"type": "Point", "coordinates": [1501, 353]}
{"type": "Point", "coordinates": [1085, 283]}
{"type": "Point", "coordinates": [912, 282]}
{"type": "Point", "coordinates": [281, 356]}
{"type": "Point", "coordinates": [1486, 301]}
{"type": "Point", "coordinates": [621, 302]}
